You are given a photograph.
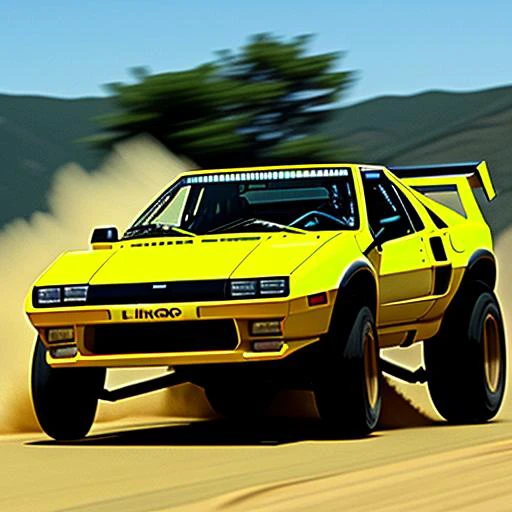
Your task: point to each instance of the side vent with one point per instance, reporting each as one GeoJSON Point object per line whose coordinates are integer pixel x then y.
{"type": "Point", "coordinates": [438, 249]}
{"type": "Point", "coordinates": [442, 279]}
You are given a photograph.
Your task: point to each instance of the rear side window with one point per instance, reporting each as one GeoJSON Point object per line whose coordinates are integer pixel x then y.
{"type": "Point", "coordinates": [447, 195]}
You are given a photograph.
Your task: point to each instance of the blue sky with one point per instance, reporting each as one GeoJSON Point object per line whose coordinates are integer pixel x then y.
{"type": "Point", "coordinates": [69, 48]}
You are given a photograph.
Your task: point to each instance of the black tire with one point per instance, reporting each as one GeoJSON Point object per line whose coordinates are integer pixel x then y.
{"type": "Point", "coordinates": [466, 360]}
{"type": "Point", "coordinates": [65, 399]}
{"type": "Point", "coordinates": [238, 399]}
{"type": "Point", "coordinates": [347, 382]}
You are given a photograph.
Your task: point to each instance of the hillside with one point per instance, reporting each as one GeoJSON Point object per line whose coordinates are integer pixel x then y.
{"type": "Point", "coordinates": [436, 127]}
{"type": "Point", "coordinates": [37, 135]}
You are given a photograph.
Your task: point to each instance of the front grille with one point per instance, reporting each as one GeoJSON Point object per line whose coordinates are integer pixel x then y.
{"type": "Point", "coordinates": [161, 337]}
{"type": "Point", "coordinates": [151, 293]}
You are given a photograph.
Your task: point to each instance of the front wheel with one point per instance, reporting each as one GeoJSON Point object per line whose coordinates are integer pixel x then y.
{"type": "Point", "coordinates": [65, 399]}
{"type": "Point", "coordinates": [466, 360]}
{"type": "Point", "coordinates": [347, 383]}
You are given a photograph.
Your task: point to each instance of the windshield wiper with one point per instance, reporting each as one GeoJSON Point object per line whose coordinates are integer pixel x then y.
{"type": "Point", "coordinates": [156, 228]}
{"type": "Point", "coordinates": [228, 225]}
{"type": "Point", "coordinates": [261, 222]}
{"type": "Point", "coordinates": [289, 229]}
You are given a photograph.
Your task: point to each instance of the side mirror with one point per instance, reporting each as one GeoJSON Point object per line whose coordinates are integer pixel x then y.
{"type": "Point", "coordinates": [106, 235]}
{"type": "Point", "coordinates": [381, 235]}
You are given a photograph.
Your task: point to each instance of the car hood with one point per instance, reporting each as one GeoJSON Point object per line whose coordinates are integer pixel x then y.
{"type": "Point", "coordinates": [209, 258]}
{"type": "Point", "coordinates": [200, 258]}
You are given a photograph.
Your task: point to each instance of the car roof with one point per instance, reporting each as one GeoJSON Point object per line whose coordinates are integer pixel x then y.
{"type": "Point", "coordinates": [276, 168]}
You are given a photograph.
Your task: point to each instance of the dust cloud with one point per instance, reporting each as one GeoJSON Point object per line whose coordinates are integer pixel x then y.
{"type": "Point", "coordinates": [113, 195]}
{"type": "Point", "coordinates": [78, 200]}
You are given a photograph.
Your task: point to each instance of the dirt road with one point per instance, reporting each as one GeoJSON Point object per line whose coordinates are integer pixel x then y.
{"type": "Point", "coordinates": [277, 464]}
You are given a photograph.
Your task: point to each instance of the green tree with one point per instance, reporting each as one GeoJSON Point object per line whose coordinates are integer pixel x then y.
{"type": "Point", "coordinates": [260, 105]}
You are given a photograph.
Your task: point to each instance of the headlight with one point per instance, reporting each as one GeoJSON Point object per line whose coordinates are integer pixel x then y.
{"type": "Point", "coordinates": [265, 287]}
{"type": "Point", "coordinates": [56, 295]}
{"type": "Point", "coordinates": [75, 293]}
{"type": "Point", "coordinates": [244, 288]}
{"type": "Point", "coordinates": [48, 296]}
{"type": "Point", "coordinates": [273, 287]}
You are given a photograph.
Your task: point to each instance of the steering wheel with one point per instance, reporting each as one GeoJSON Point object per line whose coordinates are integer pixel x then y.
{"type": "Point", "coordinates": [321, 214]}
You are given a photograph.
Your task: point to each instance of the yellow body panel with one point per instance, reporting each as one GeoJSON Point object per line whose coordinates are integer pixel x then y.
{"type": "Point", "coordinates": [78, 266]}
{"type": "Point", "coordinates": [315, 262]}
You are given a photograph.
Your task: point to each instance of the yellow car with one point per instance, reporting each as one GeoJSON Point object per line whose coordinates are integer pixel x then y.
{"type": "Point", "coordinates": [247, 281]}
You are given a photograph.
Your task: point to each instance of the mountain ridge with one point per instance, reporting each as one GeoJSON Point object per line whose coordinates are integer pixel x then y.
{"type": "Point", "coordinates": [39, 134]}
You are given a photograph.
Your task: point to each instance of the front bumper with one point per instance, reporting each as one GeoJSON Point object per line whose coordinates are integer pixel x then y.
{"type": "Point", "coordinates": [302, 325]}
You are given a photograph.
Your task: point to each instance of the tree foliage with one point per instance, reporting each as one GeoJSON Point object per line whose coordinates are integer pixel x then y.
{"type": "Point", "coordinates": [260, 105]}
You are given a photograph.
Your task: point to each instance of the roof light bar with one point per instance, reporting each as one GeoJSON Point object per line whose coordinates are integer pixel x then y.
{"type": "Point", "coordinates": [267, 175]}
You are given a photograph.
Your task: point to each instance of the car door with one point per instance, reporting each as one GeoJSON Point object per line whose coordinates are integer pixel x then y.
{"type": "Point", "coordinates": [402, 261]}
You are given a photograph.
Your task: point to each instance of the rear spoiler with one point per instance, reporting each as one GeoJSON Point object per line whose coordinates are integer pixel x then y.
{"type": "Point", "coordinates": [477, 174]}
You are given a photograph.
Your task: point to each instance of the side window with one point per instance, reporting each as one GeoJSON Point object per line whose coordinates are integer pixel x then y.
{"type": "Point", "coordinates": [384, 207]}
{"type": "Point", "coordinates": [411, 211]}
{"type": "Point", "coordinates": [173, 212]}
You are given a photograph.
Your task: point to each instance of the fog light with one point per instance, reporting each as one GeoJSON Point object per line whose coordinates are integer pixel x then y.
{"type": "Point", "coordinates": [266, 328]}
{"type": "Point", "coordinates": [61, 334]}
{"type": "Point", "coordinates": [267, 346]}
{"type": "Point", "coordinates": [61, 352]}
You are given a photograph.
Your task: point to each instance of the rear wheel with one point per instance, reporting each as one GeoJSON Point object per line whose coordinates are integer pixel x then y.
{"type": "Point", "coordinates": [466, 360]}
{"type": "Point", "coordinates": [65, 399]}
{"type": "Point", "coordinates": [347, 383]}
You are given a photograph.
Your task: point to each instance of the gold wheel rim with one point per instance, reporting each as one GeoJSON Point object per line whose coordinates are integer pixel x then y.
{"type": "Point", "coordinates": [371, 371]}
{"type": "Point", "coordinates": [492, 352]}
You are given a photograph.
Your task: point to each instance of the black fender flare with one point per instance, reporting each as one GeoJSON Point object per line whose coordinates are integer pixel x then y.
{"type": "Point", "coordinates": [360, 272]}
{"type": "Point", "coordinates": [482, 267]}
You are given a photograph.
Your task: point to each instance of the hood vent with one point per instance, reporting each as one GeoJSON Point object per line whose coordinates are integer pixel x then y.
{"type": "Point", "coordinates": [160, 244]}
{"type": "Point", "coordinates": [188, 242]}
{"type": "Point", "coordinates": [231, 239]}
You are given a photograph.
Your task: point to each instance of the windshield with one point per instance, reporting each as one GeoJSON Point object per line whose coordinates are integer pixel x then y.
{"type": "Point", "coordinates": [297, 201]}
